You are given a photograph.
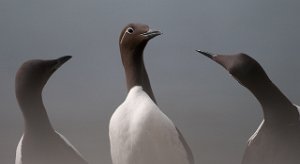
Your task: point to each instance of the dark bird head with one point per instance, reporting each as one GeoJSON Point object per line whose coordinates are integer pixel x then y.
{"type": "Point", "coordinates": [134, 37]}
{"type": "Point", "coordinates": [34, 74]}
{"type": "Point", "coordinates": [242, 67]}
{"type": "Point", "coordinates": [277, 108]}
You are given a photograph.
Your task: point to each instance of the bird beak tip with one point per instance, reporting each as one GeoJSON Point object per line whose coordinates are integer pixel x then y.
{"type": "Point", "coordinates": [205, 54]}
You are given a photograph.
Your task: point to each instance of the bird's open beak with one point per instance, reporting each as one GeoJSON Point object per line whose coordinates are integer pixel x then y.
{"type": "Point", "coordinates": [151, 34]}
{"type": "Point", "coordinates": [60, 61]}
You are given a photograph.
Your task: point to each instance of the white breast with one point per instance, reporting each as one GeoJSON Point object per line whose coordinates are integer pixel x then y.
{"type": "Point", "coordinates": [19, 152]}
{"type": "Point", "coordinates": [255, 133]}
{"type": "Point", "coordinates": [140, 133]}
{"type": "Point", "coordinates": [54, 150]}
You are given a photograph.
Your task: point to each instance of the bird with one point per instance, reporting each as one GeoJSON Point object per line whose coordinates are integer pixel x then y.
{"type": "Point", "coordinates": [277, 139]}
{"type": "Point", "coordinates": [40, 143]}
{"type": "Point", "coordinates": [139, 132]}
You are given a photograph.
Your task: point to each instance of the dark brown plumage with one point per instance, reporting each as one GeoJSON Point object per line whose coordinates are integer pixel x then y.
{"type": "Point", "coordinates": [132, 42]}
{"type": "Point", "coordinates": [277, 140]}
{"type": "Point", "coordinates": [40, 143]}
{"type": "Point", "coordinates": [139, 131]}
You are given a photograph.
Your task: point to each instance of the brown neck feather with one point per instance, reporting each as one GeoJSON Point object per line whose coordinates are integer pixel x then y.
{"type": "Point", "coordinates": [136, 74]}
{"type": "Point", "coordinates": [276, 106]}
{"type": "Point", "coordinates": [35, 115]}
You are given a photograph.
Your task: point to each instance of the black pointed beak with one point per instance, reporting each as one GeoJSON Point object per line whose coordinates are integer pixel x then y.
{"type": "Point", "coordinates": [224, 60]}
{"type": "Point", "coordinates": [209, 55]}
{"type": "Point", "coordinates": [60, 61]}
{"type": "Point", "coordinates": [151, 34]}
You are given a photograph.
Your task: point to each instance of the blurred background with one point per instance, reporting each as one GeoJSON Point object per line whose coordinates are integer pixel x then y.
{"type": "Point", "coordinates": [215, 114]}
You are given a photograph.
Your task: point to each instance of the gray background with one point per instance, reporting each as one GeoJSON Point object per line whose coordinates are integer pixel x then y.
{"type": "Point", "coordinates": [215, 114]}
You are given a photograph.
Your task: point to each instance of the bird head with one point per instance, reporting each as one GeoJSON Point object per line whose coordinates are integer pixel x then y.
{"type": "Point", "coordinates": [34, 74]}
{"type": "Point", "coordinates": [134, 37]}
{"type": "Point", "coordinates": [246, 70]}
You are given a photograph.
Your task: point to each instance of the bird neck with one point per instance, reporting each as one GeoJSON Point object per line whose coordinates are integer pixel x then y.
{"type": "Point", "coordinates": [277, 108]}
{"type": "Point", "coordinates": [34, 112]}
{"type": "Point", "coordinates": [135, 71]}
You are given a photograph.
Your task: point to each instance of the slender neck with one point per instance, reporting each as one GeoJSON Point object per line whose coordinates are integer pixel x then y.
{"type": "Point", "coordinates": [35, 115]}
{"type": "Point", "coordinates": [135, 71]}
{"type": "Point", "coordinates": [276, 106]}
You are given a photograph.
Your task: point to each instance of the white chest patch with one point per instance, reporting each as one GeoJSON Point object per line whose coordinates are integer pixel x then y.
{"type": "Point", "coordinates": [140, 133]}
{"type": "Point", "coordinates": [19, 152]}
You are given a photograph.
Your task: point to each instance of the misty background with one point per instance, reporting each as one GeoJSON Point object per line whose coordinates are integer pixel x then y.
{"type": "Point", "coordinates": [214, 113]}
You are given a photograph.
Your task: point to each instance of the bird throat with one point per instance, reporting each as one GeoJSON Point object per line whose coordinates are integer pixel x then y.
{"type": "Point", "coordinates": [135, 70]}
{"type": "Point", "coordinates": [34, 112]}
{"type": "Point", "coordinates": [276, 106]}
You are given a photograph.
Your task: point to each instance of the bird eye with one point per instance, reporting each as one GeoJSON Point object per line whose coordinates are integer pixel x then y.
{"type": "Point", "coordinates": [130, 30]}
